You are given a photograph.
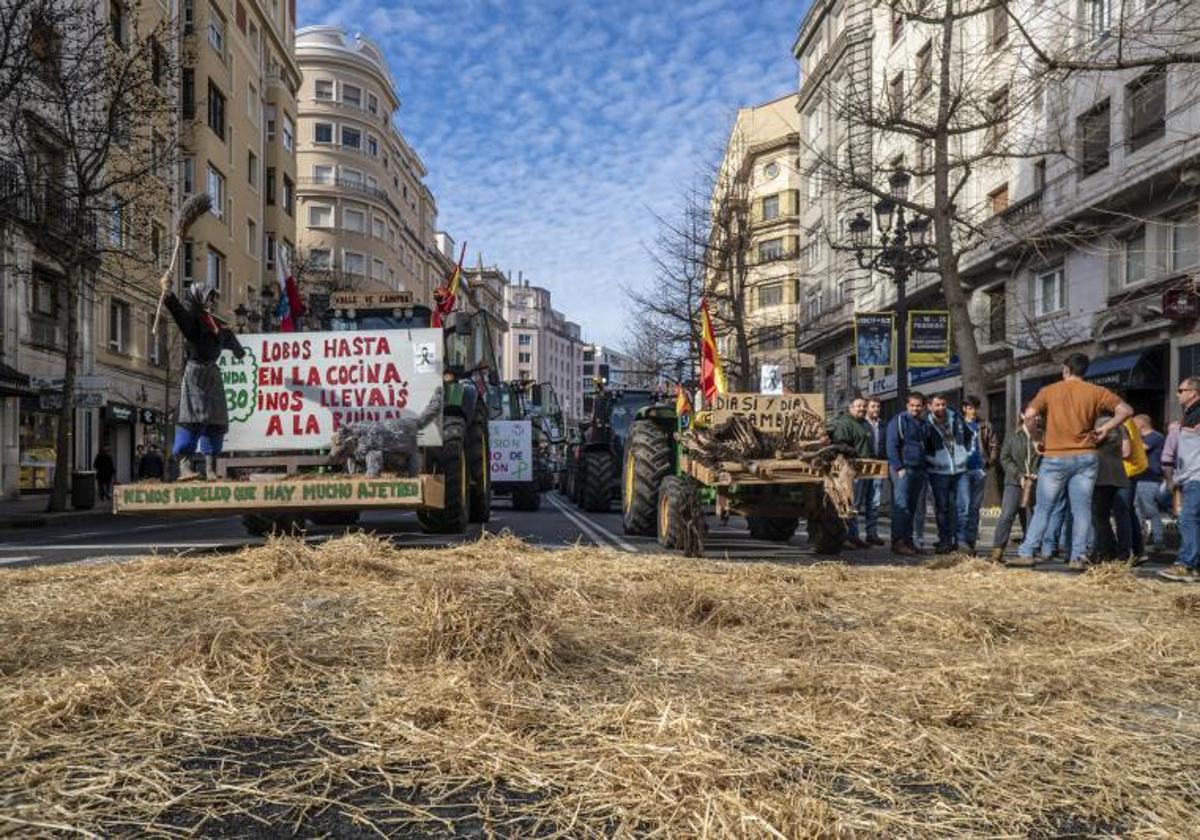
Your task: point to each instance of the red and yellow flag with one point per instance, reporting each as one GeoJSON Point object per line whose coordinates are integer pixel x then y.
{"type": "Point", "coordinates": [712, 374]}
{"type": "Point", "coordinates": [683, 406]}
{"type": "Point", "coordinates": [446, 296]}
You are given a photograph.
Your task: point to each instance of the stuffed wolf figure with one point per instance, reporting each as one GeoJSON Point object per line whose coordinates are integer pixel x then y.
{"type": "Point", "coordinates": [374, 447]}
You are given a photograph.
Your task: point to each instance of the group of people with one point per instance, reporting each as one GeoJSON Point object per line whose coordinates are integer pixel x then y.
{"type": "Point", "coordinates": [1082, 474]}
{"type": "Point", "coordinates": [148, 463]}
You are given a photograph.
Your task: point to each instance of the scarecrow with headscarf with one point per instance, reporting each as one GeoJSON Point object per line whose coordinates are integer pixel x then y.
{"type": "Point", "coordinates": [203, 416]}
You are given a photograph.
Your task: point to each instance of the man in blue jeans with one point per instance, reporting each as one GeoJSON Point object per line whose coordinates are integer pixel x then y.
{"type": "Point", "coordinates": [1181, 466]}
{"type": "Point", "coordinates": [867, 490]}
{"type": "Point", "coordinates": [948, 442]}
{"type": "Point", "coordinates": [983, 452]}
{"type": "Point", "coordinates": [906, 465]}
{"type": "Point", "coordinates": [1070, 409]}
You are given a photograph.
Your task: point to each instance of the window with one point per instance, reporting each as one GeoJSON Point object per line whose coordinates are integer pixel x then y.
{"type": "Point", "coordinates": [323, 132]}
{"type": "Point", "coordinates": [1099, 17]}
{"type": "Point", "coordinates": [252, 238]}
{"type": "Point", "coordinates": [378, 270]}
{"type": "Point", "coordinates": [269, 184]}
{"type": "Point", "coordinates": [812, 251]}
{"type": "Point", "coordinates": [813, 179]}
{"type": "Point", "coordinates": [116, 22]}
{"type": "Point", "coordinates": [771, 295]}
{"type": "Point", "coordinates": [525, 339]}
{"type": "Point", "coordinates": [998, 199]}
{"type": "Point", "coordinates": [118, 325]}
{"type": "Point", "coordinates": [188, 261]}
{"type": "Point", "coordinates": [156, 237]}
{"type": "Point", "coordinates": [254, 45]}
{"type": "Point", "coordinates": [216, 30]}
{"type": "Point", "coordinates": [896, 95]}
{"type": "Point", "coordinates": [320, 216]}
{"type": "Point", "coordinates": [997, 117]}
{"type": "Point", "coordinates": [372, 146]}
{"type": "Point", "coordinates": [372, 103]}
{"type": "Point", "coordinates": [240, 15]}
{"type": "Point", "coordinates": [353, 263]}
{"type": "Point", "coordinates": [216, 110]}
{"type": "Point", "coordinates": [1146, 109]}
{"type": "Point", "coordinates": [269, 249]}
{"type": "Point", "coordinates": [252, 102]}
{"type": "Point", "coordinates": [897, 25]}
{"type": "Point", "coordinates": [770, 249]}
{"type": "Point", "coordinates": [352, 176]}
{"type": "Point", "coordinates": [1133, 256]}
{"type": "Point", "coordinates": [1049, 292]}
{"type": "Point", "coordinates": [351, 137]}
{"type": "Point", "coordinates": [318, 258]}
{"type": "Point", "coordinates": [116, 224]}
{"type": "Point", "coordinates": [924, 69]}
{"type": "Point", "coordinates": [289, 195]}
{"type": "Point", "coordinates": [158, 146]}
{"type": "Point", "coordinates": [122, 129]}
{"type": "Point", "coordinates": [352, 95]}
{"type": "Point", "coordinates": [252, 169]}
{"type": "Point", "coordinates": [1093, 131]}
{"type": "Point", "coordinates": [1185, 242]}
{"type": "Point", "coordinates": [999, 24]}
{"type": "Point", "coordinates": [189, 16]}
{"type": "Point", "coordinates": [322, 174]}
{"type": "Point", "coordinates": [378, 228]}
{"type": "Point", "coordinates": [1039, 175]}
{"type": "Point", "coordinates": [158, 61]}
{"type": "Point", "coordinates": [354, 220]}
{"type": "Point", "coordinates": [770, 207]}
{"type": "Point", "coordinates": [289, 133]}
{"type": "Point", "coordinates": [770, 338]}
{"type": "Point", "coordinates": [216, 189]}
{"type": "Point", "coordinates": [815, 127]}
{"type": "Point", "coordinates": [524, 358]}
{"type": "Point", "coordinates": [187, 93]}
{"type": "Point", "coordinates": [215, 268]}
{"type": "Point", "coordinates": [324, 89]}
{"type": "Point", "coordinates": [997, 303]}
{"type": "Point", "coordinates": [270, 123]}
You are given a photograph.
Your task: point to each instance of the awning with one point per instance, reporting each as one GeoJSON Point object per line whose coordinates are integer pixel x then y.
{"type": "Point", "coordinates": [13, 383]}
{"type": "Point", "coordinates": [1139, 369]}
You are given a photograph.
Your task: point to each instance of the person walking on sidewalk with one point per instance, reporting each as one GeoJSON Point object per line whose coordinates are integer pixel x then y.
{"type": "Point", "coordinates": [1149, 483]}
{"type": "Point", "coordinates": [1019, 459]}
{"type": "Point", "coordinates": [868, 490]}
{"type": "Point", "coordinates": [1181, 467]}
{"type": "Point", "coordinates": [849, 429]}
{"type": "Point", "coordinates": [1069, 410]}
{"type": "Point", "coordinates": [105, 471]}
{"type": "Point", "coordinates": [981, 457]}
{"type": "Point", "coordinates": [1110, 480]}
{"type": "Point", "coordinates": [947, 443]}
{"type": "Point", "coordinates": [906, 466]}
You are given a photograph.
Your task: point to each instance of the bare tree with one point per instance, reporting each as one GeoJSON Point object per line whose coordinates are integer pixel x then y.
{"type": "Point", "coordinates": [87, 121]}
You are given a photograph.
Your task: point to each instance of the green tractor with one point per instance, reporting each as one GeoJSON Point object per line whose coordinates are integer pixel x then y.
{"type": "Point", "coordinates": [593, 468]}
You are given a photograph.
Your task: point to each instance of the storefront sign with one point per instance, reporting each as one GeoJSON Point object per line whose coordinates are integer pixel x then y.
{"type": "Point", "coordinates": [766, 411]}
{"type": "Point", "coordinates": [1181, 305]}
{"type": "Point", "coordinates": [120, 412]}
{"type": "Point", "coordinates": [874, 338]}
{"type": "Point", "coordinates": [294, 390]}
{"type": "Point", "coordinates": [333, 492]}
{"type": "Point", "coordinates": [928, 339]}
{"type": "Point", "coordinates": [511, 446]}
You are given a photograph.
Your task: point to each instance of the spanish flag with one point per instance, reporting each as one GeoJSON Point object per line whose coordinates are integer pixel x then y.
{"type": "Point", "coordinates": [446, 296]}
{"type": "Point", "coordinates": [683, 406]}
{"type": "Point", "coordinates": [712, 374]}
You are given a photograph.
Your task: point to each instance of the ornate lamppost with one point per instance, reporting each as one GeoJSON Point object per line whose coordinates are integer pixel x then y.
{"type": "Point", "coordinates": [900, 252]}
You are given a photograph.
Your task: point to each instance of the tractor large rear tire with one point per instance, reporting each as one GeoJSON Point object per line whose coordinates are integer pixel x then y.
{"type": "Point", "coordinates": [479, 470]}
{"type": "Point", "coordinates": [598, 479]}
{"type": "Point", "coordinates": [451, 463]}
{"type": "Point", "coordinates": [827, 531]}
{"type": "Point", "coordinates": [648, 460]}
{"type": "Point", "coordinates": [772, 528]}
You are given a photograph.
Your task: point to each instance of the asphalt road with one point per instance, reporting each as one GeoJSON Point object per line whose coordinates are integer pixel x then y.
{"type": "Point", "coordinates": [558, 523]}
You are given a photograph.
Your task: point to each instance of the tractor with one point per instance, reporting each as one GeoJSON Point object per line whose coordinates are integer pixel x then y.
{"type": "Point", "coordinates": [594, 463]}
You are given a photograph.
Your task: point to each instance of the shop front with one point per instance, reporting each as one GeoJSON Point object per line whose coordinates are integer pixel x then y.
{"type": "Point", "coordinates": [118, 421]}
{"type": "Point", "coordinates": [38, 442]}
{"type": "Point", "coordinates": [1139, 376]}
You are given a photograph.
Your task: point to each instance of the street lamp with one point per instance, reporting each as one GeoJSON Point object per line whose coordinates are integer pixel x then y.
{"type": "Point", "coordinates": [900, 252]}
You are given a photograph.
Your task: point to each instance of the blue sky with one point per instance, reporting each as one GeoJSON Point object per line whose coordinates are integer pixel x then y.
{"type": "Point", "coordinates": [553, 130]}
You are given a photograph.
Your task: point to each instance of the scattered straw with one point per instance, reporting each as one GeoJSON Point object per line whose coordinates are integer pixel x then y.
{"type": "Point", "coordinates": [360, 690]}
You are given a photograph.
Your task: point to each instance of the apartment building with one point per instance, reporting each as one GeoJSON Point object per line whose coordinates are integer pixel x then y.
{"type": "Point", "coordinates": [542, 345]}
{"type": "Point", "coordinates": [366, 217]}
{"type": "Point", "coordinates": [485, 291]}
{"type": "Point", "coordinates": [756, 235]}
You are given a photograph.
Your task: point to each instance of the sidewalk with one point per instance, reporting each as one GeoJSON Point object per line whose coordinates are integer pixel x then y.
{"type": "Point", "coordinates": [30, 512]}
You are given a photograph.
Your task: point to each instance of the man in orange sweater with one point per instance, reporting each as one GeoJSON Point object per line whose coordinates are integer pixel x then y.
{"type": "Point", "coordinates": [1069, 410]}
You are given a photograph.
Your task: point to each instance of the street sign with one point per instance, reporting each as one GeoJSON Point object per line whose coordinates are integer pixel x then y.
{"type": "Point", "coordinates": [511, 445]}
{"type": "Point", "coordinates": [772, 380]}
{"type": "Point", "coordinates": [370, 300]}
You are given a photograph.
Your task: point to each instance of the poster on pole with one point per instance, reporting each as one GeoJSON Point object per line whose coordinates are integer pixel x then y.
{"type": "Point", "coordinates": [772, 379]}
{"type": "Point", "coordinates": [928, 339]}
{"type": "Point", "coordinates": [292, 391]}
{"type": "Point", "coordinates": [875, 339]}
{"type": "Point", "coordinates": [511, 445]}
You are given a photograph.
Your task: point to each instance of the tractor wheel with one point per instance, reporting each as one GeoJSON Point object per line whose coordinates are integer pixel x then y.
{"type": "Point", "coordinates": [648, 460]}
{"type": "Point", "coordinates": [273, 524]}
{"type": "Point", "coordinates": [826, 530]}
{"type": "Point", "coordinates": [670, 508]}
{"type": "Point", "coordinates": [772, 528]}
{"type": "Point", "coordinates": [479, 470]}
{"type": "Point", "coordinates": [527, 498]}
{"type": "Point", "coordinates": [597, 481]}
{"type": "Point", "coordinates": [344, 518]}
{"type": "Point", "coordinates": [451, 462]}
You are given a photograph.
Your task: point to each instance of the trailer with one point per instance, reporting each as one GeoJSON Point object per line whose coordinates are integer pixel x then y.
{"type": "Point", "coordinates": [379, 410]}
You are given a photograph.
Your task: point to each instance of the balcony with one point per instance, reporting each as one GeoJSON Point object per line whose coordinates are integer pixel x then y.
{"type": "Point", "coordinates": [344, 184]}
{"type": "Point", "coordinates": [45, 210]}
{"type": "Point", "coordinates": [1024, 210]}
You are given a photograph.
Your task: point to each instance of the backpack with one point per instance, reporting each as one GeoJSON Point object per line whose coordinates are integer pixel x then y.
{"type": "Point", "coordinates": [1137, 462]}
